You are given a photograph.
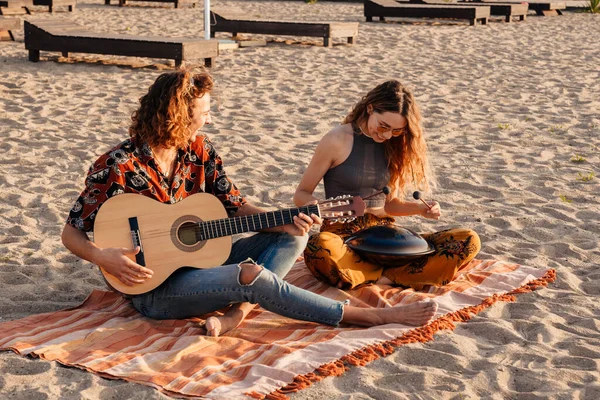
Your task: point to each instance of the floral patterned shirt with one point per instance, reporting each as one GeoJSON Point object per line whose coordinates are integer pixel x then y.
{"type": "Point", "coordinates": [128, 168]}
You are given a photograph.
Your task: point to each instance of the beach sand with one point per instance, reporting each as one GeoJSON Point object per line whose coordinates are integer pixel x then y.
{"type": "Point", "coordinates": [509, 109]}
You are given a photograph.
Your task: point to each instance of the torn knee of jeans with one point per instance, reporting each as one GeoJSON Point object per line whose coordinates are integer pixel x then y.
{"type": "Point", "coordinates": [249, 263]}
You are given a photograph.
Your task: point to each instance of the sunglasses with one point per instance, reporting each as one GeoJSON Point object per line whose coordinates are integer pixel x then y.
{"type": "Point", "coordinates": [382, 127]}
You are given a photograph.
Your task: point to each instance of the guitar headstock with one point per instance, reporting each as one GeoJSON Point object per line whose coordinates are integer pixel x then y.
{"type": "Point", "coordinates": [342, 208]}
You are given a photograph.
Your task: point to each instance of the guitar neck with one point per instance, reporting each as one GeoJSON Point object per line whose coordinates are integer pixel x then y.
{"type": "Point", "coordinates": [250, 223]}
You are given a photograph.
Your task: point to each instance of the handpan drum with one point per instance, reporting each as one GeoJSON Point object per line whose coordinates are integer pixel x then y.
{"type": "Point", "coordinates": [389, 245]}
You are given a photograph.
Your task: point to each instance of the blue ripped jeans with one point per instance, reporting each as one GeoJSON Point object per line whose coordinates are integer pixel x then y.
{"type": "Point", "coordinates": [191, 292]}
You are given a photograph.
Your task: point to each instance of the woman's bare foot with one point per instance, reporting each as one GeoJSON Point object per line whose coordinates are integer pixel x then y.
{"type": "Point", "coordinates": [384, 281]}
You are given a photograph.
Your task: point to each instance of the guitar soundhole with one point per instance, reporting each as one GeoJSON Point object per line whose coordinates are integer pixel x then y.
{"type": "Point", "coordinates": [183, 233]}
{"type": "Point", "coordinates": [187, 233]}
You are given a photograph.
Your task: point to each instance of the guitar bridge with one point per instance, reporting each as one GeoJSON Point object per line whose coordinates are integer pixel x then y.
{"type": "Point", "coordinates": [136, 239]}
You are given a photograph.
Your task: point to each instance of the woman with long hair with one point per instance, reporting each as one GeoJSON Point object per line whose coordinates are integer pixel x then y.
{"type": "Point", "coordinates": [380, 143]}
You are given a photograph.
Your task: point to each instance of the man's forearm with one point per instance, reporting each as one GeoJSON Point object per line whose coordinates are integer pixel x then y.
{"type": "Point", "coordinates": [78, 243]}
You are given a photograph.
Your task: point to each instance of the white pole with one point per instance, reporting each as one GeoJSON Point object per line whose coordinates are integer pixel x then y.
{"type": "Point", "coordinates": [207, 19]}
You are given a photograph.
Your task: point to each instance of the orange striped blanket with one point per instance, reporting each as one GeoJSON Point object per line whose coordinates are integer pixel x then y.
{"type": "Point", "coordinates": [268, 355]}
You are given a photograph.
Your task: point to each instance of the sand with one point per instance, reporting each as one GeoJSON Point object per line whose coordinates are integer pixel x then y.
{"type": "Point", "coordinates": [512, 116]}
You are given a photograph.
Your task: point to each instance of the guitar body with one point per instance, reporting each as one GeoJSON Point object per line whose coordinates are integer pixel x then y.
{"type": "Point", "coordinates": [161, 228]}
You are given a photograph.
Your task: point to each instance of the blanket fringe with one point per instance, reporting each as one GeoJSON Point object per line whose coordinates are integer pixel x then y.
{"type": "Point", "coordinates": [362, 357]}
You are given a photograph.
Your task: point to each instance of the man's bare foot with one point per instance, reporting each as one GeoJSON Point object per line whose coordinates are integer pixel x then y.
{"type": "Point", "coordinates": [416, 314]}
{"type": "Point", "coordinates": [213, 326]}
{"type": "Point", "coordinates": [216, 326]}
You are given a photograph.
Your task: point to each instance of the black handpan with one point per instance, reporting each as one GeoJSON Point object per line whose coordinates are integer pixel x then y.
{"type": "Point", "coordinates": [389, 245]}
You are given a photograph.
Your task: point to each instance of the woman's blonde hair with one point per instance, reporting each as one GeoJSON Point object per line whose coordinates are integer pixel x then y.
{"type": "Point", "coordinates": [407, 153]}
{"type": "Point", "coordinates": [165, 112]}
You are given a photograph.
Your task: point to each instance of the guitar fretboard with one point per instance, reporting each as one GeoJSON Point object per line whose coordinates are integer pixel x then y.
{"type": "Point", "coordinates": [247, 223]}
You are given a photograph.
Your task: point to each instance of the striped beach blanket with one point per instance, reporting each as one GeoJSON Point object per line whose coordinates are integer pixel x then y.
{"type": "Point", "coordinates": [268, 355]}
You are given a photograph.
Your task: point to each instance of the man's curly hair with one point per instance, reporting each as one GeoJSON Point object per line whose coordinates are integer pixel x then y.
{"type": "Point", "coordinates": [165, 112]}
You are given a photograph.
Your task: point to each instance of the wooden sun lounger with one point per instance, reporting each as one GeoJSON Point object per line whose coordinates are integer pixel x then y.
{"type": "Point", "coordinates": [51, 4]}
{"type": "Point", "coordinates": [510, 11]}
{"type": "Point", "coordinates": [391, 8]}
{"type": "Point", "coordinates": [7, 25]}
{"type": "Point", "coordinates": [175, 2]}
{"type": "Point", "coordinates": [67, 37]}
{"type": "Point", "coordinates": [235, 21]}
{"type": "Point", "coordinates": [546, 8]}
{"type": "Point", "coordinates": [12, 7]}
{"type": "Point", "coordinates": [576, 5]}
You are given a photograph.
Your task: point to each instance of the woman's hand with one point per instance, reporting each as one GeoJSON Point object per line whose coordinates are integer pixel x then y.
{"type": "Point", "coordinates": [115, 262]}
{"type": "Point", "coordinates": [435, 212]}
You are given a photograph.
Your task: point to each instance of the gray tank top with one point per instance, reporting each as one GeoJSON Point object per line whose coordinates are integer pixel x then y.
{"type": "Point", "coordinates": [363, 173]}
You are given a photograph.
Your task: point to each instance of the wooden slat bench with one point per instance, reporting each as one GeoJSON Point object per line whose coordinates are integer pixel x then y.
{"type": "Point", "coordinates": [235, 21]}
{"type": "Point", "coordinates": [546, 8]}
{"type": "Point", "coordinates": [7, 25]}
{"type": "Point", "coordinates": [52, 4]}
{"type": "Point", "coordinates": [67, 37]}
{"type": "Point", "coordinates": [577, 5]}
{"type": "Point", "coordinates": [510, 11]}
{"type": "Point", "coordinates": [391, 8]}
{"type": "Point", "coordinates": [175, 2]}
{"type": "Point", "coordinates": [13, 7]}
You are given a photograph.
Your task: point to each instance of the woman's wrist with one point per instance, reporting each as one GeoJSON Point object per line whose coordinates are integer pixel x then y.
{"type": "Point", "coordinates": [422, 209]}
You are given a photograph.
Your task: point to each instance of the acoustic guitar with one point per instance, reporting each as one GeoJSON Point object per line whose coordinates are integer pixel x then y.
{"type": "Point", "coordinates": [194, 232]}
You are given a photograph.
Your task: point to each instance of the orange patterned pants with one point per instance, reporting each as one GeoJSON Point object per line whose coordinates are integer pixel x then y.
{"type": "Point", "coordinates": [332, 261]}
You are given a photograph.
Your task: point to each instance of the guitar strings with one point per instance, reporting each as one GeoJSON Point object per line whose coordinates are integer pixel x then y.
{"type": "Point", "coordinates": [220, 225]}
{"type": "Point", "coordinates": [228, 225]}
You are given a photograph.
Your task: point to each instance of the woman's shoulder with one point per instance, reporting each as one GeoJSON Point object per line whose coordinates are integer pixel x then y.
{"type": "Point", "coordinates": [340, 136]}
